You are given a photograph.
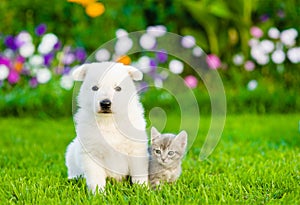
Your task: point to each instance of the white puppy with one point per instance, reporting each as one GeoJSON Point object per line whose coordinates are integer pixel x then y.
{"type": "Point", "coordinates": [111, 139]}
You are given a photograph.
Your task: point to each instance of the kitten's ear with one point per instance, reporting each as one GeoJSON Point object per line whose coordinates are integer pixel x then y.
{"type": "Point", "coordinates": [154, 134]}
{"type": "Point", "coordinates": [181, 139]}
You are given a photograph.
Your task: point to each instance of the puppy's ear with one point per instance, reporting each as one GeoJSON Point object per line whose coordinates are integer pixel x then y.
{"type": "Point", "coordinates": [79, 73]}
{"type": "Point", "coordinates": [134, 73]}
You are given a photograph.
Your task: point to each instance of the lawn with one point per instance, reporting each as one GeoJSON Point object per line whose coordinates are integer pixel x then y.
{"type": "Point", "coordinates": [257, 161]}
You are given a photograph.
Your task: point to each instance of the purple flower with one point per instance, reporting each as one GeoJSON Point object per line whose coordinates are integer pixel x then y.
{"type": "Point", "coordinates": [40, 29]}
{"type": "Point", "coordinates": [152, 63]}
{"type": "Point", "coordinates": [4, 61]}
{"type": "Point", "coordinates": [213, 61]}
{"type": "Point", "coordinates": [143, 87]}
{"type": "Point", "coordinates": [280, 13]}
{"type": "Point", "coordinates": [33, 82]}
{"type": "Point", "coordinates": [20, 59]}
{"type": "Point", "coordinates": [48, 59]}
{"type": "Point", "coordinates": [162, 56]}
{"type": "Point", "coordinates": [13, 77]}
{"type": "Point", "coordinates": [69, 58]}
{"type": "Point", "coordinates": [264, 17]}
{"type": "Point", "coordinates": [66, 70]}
{"type": "Point", "coordinates": [80, 54]}
{"type": "Point", "coordinates": [10, 42]}
{"type": "Point", "coordinates": [152, 68]}
{"type": "Point", "coordinates": [57, 46]}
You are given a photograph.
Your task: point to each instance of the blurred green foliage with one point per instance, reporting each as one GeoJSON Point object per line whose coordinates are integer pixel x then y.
{"type": "Point", "coordinates": [218, 25]}
{"type": "Point", "coordinates": [48, 100]}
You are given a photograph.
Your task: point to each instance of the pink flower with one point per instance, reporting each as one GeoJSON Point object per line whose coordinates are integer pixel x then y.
{"type": "Point", "coordinates": [13, 77]}
{"type": "Point", "coordinates": [249, 66]}
{"type": "Point", "coordinates": [256, 32]}
{"type": "Point", "coordinates": [191, 81]}
{"type": "Point", "coordinates": [213, 61]}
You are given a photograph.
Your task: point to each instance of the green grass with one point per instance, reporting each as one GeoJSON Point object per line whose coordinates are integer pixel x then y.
{"type": "Point", "coordinates": [256, 162]}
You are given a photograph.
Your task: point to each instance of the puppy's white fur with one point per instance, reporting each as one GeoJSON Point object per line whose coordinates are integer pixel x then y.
{"type": "Point", "coordinates": [108, 144]}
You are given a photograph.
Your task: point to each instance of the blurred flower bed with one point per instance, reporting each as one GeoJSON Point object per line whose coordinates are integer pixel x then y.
{"type": "Point", "coordinates": [35, 72]}
{"type": "Point", "coordinates": [254, 48]}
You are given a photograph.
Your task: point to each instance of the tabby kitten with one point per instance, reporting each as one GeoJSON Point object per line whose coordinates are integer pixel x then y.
{"type": "Point", "coordinates": [166, 152]}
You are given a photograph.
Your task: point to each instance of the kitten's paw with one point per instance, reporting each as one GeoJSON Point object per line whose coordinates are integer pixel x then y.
{"type": "Point", "coordinates": [156, 185]}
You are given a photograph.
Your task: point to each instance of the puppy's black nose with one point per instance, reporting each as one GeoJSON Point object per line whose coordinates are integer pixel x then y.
{"type": "Point", "coordinates": [105, 104]}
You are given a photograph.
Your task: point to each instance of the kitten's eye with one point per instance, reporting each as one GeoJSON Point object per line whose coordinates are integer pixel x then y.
{"type": "Point", "coordinates": [171, 153]}
{"type": "Point", "coordinates": [95, 88]}
{"type": "Point", "coordinates": [157, 151]}
{"type": "Point", "coordinates": [118, 88]}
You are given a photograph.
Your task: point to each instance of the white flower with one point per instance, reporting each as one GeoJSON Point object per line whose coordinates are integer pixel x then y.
{"type": "Point", "coordinates": [176, 66]}
{"type": "Point", "coordinates": [164, 74]}
{"type": "Point", "coordinates": [123, 45]}
{"type": "Point", "coordinates": [50, 38]}
{"type": "Point", "coordinates": [45, 48]}
{"type": "Point", "coordinates": [197, 51]}
{"type": "Point", "coordinates": [253, 42]}
{"type": "Point", "coordinates": [9, 53]}
{"type": "Point", "coordinates": [43, 75]}
{"type": "Point", "coordinates": [156, 31]}
{"type": "Point", "coordinates": [4, 72]}
{"type": "Point", "coordinates": [238, 59]}
{"type": "Point", "coordinates": [48, 42]}
{"type": "Point", "coordinates": [252, 85]}
{"type": "Point", "coordinates": [263, 59]}
{"type": "Point", "coordinates": [274, 33]}
{"type": "Point", "coordinates": [36, 60]}
{"type": "Point", "coordinates": [278, 56]}
{"type": "Point", "coordinates": [144, 64]}
{"type": "Point", "coordinates": [23, 38]}
{"type": "Point", "coordinates": [188, 41]}
{"type": "Point", "coordinates": [158, 83]}
{"type": "Point", "coordinates": [26, 50]}
{"type": "Point", "coordinates": [259, 54]}
{"type": "Point", "coordinates": [256, 51]}
{"type": "Point", "coordinates": [293, 55]}
{"type": "Point", "coordinates": [121, 33]}
{"type": "Point", "coordinates": [102, 55]}
{"type": "Point", "coordinates": [288, 37]}
{"type": "Point", "coordinates": [267, 45]}
{"type": "Point", "coordinates": [66, 82]}
{"type": "Point", "coordinates": [147, 41]}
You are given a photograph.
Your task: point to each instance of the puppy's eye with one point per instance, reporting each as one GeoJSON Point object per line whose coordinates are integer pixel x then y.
{"type": "Point", "coordinates": [95, 88]}
{"type": "Point", "coordinates": [118, 88]}
{"type": "Point", "coordinates": [157, 151]}
{"type": "Point", "coordinates": [171, 153]}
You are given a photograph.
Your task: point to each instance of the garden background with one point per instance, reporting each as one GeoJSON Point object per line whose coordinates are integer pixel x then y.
{"type": "Point", "coordinates": [254, 46]}
{"type": "Point", "coordinates": [260, 78]}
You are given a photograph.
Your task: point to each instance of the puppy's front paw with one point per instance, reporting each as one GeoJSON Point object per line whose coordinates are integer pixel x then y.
{"type": "Point", "coordinates": [140, 180]}
{"type": "Point", "coordinates": [96, 188]}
